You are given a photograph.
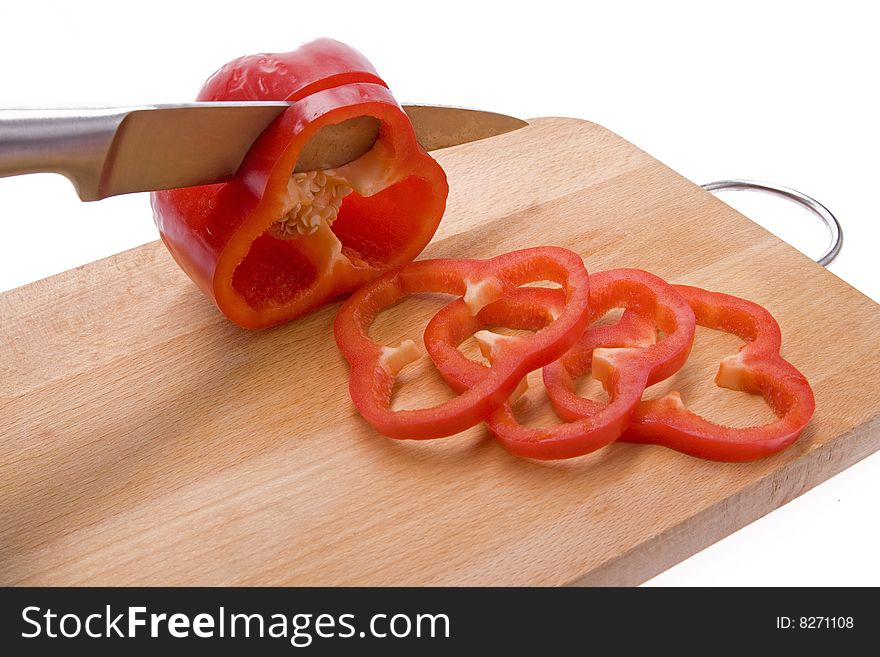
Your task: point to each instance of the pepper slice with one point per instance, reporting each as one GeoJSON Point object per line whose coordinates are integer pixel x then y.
{"type": "Point", "coordinates": [625, 356]}
{"type": "Point", "coordinates": [271, 245]}
{"type": "Point", "coordinates": [479, 282]}
{"type": "Point", "coordinates": [757, 369]}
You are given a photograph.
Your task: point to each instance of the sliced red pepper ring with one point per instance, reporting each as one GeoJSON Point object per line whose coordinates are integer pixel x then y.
{"type": "Point", "coordinates": [757, 368]}
{"type": "Point", "coordinates": [271, 245]}
{"type": "Point", "coordinates": [631, 356]}
{"type": "Point", "coordinates": [479, 282]}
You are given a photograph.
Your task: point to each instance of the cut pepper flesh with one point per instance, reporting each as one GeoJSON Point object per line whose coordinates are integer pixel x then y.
{"type": "Point", "coordinates": [374, 366]}
{"type": "Point", "coordinates": [631, 356]}
{"type": "Point", "coordinates": [271, 245]}
{"type": "Point", "coordinates": [757, 368]}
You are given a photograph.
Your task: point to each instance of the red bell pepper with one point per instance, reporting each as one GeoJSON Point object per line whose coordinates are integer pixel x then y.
{"type": "Point", "coordinates": [269, 246]}
{"type": "Point", "coordinates": [478, 282]}
{"type": "Point", "coordinates": [625, 356]}
{"type": "Point", "coordinates": [757, 369]}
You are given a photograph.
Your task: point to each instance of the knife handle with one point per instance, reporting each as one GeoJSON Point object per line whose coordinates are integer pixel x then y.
{"type": "Point", "coordinates": [74, 143]}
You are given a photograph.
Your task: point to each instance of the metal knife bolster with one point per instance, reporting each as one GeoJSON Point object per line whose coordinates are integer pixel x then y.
{"type": "Point", "coordinates": [68, 142]}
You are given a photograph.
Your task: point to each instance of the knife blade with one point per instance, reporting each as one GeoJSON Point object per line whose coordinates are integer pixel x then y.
{"type": "Point", "coordinates": [110, 151]}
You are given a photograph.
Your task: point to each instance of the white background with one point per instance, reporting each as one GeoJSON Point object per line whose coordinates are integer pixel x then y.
{"type": "Point", "coordinates": [778, 91]}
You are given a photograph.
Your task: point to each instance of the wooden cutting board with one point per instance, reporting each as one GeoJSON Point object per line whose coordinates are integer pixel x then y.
{"type": "Point", "coordinates": [146, 440]}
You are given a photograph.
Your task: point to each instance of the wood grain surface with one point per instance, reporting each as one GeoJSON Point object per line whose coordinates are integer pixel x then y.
{"type": "Point", "coordinates": [146, 440]}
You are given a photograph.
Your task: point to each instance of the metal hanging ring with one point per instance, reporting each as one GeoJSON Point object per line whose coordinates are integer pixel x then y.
{"type": "Point", "coordinates": [795, 196]}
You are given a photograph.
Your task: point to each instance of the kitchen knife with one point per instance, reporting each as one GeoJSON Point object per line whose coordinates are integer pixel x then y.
{"type": "Point", "coordinates": [110, 151]}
